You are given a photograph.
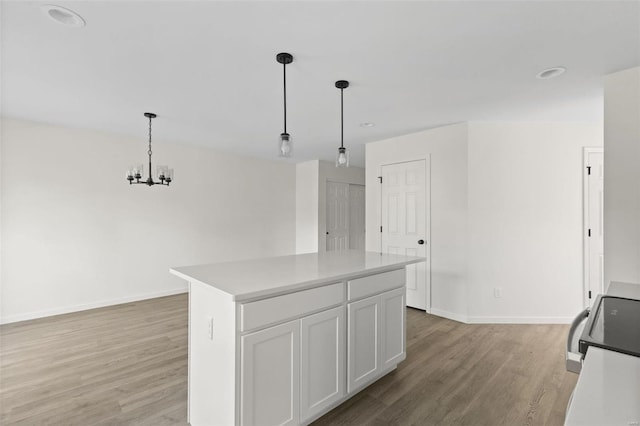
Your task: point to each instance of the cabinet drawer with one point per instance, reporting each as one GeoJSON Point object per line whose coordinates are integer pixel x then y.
{"type": "Point", "coordinates": [373, 284]}
{"type": "Point", "coordinates": [280, 308]}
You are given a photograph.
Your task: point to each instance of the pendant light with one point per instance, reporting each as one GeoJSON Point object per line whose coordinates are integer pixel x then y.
{"type": "Point", "coordinates": [135, 173]}
{"type": "Point", "coordinates": [342, 160]}
{"type": "Point", "coordinates": [286, 145]}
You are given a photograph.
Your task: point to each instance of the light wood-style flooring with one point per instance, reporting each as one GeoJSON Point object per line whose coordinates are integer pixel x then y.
{"type": "Point", "coordinates": [127, 365]}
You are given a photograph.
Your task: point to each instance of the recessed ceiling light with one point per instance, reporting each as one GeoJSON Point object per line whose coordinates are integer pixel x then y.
{"type": "Point", "coordinates": [367, 124]}
{"type": "Point", "coordinates": [551, 72]}
{"type": "Point", "coordinates": [63, 16]}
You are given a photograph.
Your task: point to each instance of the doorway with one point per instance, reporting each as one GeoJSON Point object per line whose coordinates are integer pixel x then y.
{"type": "Point", "coordinates": [345, 216]}
{"type": "Point", "coordinates": [593, 205]}
{"type": "Point", "coordinates": [405, 218]}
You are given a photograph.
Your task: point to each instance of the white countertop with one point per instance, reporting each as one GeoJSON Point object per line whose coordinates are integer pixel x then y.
{"type": "Point", "coordinates": [249, 279]}
{"type": "Point", "coordinates": [626, 290]}
{"type": "Point", "coordinates": [607, 392]}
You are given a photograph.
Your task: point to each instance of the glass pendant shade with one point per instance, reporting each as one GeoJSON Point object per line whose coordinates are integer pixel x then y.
{"type": "Point", "coordinates": [135, 172]}
{"type": "Point", "coordinates": [164, 173]}
{"type": "Point", "coordinates": [286, 145]}
{"type": "Point", "coordinates": [342, 160]}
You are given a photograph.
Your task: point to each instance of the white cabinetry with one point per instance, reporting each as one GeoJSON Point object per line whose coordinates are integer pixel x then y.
{"type": "Point", "coordinates": [271, 376]}
{"type": "Point", "coordinates": [322, 378]}
{"type": "Point", "coordinates": [363, 346]}
{"type": "Point", "coordinates": [298, 361]}
{"type": "Point", "coordinates": [293, 371]}
{"type": "Point", "coordinates": [376, 336]}
{"type": "Point", "coordinates": [392, 328]}
{"type": "Point", "coordinates": [286, 354]}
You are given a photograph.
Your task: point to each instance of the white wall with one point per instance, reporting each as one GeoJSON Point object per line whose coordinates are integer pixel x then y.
{"type": "Point", "coordinates": [525, 220]}
{"type": "Point", "coordinates": [622, 176]}
{"type": "Point", "coordinates": [75, 235]}
{"type": "Point", "coordinates": [506, 212]}
{"type": "Point", "coordinates": [1, 210]}
{"type": "Point", "coordinates": [445, 148]}
{"type": "Point", "coordinates": [311, 195]}
{"type": "Point", "coordinates": [307, 174]}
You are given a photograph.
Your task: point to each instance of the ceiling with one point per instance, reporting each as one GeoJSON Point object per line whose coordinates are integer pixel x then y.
{"type": "Point", "coordinates": [208, 68]}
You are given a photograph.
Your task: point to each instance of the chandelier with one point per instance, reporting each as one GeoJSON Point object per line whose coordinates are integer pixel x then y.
{"type": "Point", "coordinates": [164, 174]}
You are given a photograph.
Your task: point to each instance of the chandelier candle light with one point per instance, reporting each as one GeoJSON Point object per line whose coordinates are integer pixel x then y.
{"type": "Point", "coordinates": [286, 147]}
{"type": "Point", "coordinates": [342, 160]}
{"type": "Point", "coordinates": [163, 173]}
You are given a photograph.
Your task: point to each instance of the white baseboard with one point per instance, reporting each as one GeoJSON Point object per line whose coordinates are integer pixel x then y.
{"type": "Point", "coordinates": [449, 315]}
{"type": "Point", "coordinates": [93, 305]}
{"type": "Point", "coordinates": [500, 320]}
{"type": "Point", "coordinates": [520, 320]}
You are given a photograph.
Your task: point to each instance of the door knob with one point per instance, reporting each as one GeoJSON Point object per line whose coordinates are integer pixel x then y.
{"type": "Point", "coordinates": [420, 241]}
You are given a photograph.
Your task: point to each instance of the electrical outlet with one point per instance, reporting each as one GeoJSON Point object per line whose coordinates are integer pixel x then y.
{"type": "Point", "coordinates": [210, 328]}
{"type": "Point", "coordinates": [497, 292]}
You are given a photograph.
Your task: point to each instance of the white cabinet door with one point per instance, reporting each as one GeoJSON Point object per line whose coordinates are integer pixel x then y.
{"type": "Point", "coordinates": [363, 344]}
{"type": "Point", "coordinates": [392, 331]}
{"type": "Point", "coordinates": [376, 340]}
{"type": "Point", "coordinates": [322, 373]}
{"type": "Point", "coordinates": [270, 376]}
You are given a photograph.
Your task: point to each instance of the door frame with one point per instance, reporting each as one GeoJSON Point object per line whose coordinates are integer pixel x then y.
{"type": "Point", "coordinates": [585, 225]}
{"type": "Point", "coordinates": [427, 219]}
{"type": "Point", "coordinates": [364, 217]}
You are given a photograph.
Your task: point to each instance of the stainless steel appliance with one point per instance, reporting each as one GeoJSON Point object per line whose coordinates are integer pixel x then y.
{"type": "Point", "coordinates": [612, 324]}
{"type": "Point", "coordinates": [604, 347]}
{"type": "Point", "coordinates": [573, 356]}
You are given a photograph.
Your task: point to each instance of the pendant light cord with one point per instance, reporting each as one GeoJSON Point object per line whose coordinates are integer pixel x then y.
{"type": "Point", "coordinates": [341, 118]}
{"type": "Point", "coordinates": [149, 152]}
{"type": "Point", "coordinates": [284, 73]}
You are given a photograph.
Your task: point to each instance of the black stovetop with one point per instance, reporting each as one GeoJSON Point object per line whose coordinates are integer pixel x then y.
{"type": "Point", "coordinates": [613, 324]}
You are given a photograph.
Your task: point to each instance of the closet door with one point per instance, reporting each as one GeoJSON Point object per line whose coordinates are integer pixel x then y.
{"type": "Point", "coordinates": [337, 216]}
{"type": "Point", "coordinates": [356, 217]}
{"type": "Point", "coordinates": [404, 223]}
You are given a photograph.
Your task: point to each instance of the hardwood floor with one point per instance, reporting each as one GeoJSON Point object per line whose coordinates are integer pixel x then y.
{"type": "Point", "coordinates": [464, 374]}
{"type": "Point", "coordinates": [120, 365]}
{"type": "Point", "coordinates": [127, 365]}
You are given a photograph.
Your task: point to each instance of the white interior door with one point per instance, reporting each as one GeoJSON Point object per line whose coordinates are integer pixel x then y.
{"type": "Point", "coordinates": [337, 216]}
{"type": "Point", "coordinates": [404, 219]}
{"type": "Point", "coordinates": [356, 217]}
{"type": "Point", "coordinates": [593, 223]}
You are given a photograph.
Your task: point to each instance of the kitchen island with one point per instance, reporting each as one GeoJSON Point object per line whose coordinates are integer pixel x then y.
{"type": "Point", "coordinates": [283, 340]}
